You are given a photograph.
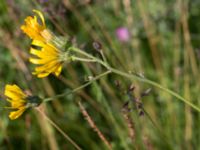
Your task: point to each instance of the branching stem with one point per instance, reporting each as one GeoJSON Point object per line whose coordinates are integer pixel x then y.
{"type": "Point", "coordinates": [135, 77]}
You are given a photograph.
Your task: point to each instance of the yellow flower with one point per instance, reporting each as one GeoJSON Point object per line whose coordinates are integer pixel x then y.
{"type": "Point", "coordinates": [46, 47]}
{"type": "Point", "coordinates": [34, 29]}
{"type": "Point", "coordinates": [18, 101]}
{"type": "Point", "coordinates": [49, 59]}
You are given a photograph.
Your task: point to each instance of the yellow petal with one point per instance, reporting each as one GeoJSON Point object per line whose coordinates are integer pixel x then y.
{"type": "Point", "coordinates": [41, 61]}
{"type": "Point", "coordinates": [58, 70]}
{"type": "Point", "coordinates": [40, 15]}
{"type": "Point", "coordinates": [42, 54]}
{"type": "Point", "coordinates": [35, 61]}
{"type": "Point", "coordinates": [52, 69]}
{"type": "Point", "coordinates": [49, 48]}
{"type": "Point", "coordinates": [46, 67]}
{"type": "Point", "coordinates": [16, 114]}
{"type": "Point", "coordinates": [14, 92]}
{"type": "Point", "coordinates": [13, 88]}
{"type": "Point", "coordinates": [43, 71]}
{"type": "Point", "coordinates": [12, 95]}
{"type": "Point", "coordinates": [17, 104]}
{"type": "Point", "coordinates": [32, 28]}
{"type": "Point", "coordinates": [35, 52]}
{"type": "Point", "coordinates": [42, 75]}
{"type": "Point", "coordinates": [38, 43]}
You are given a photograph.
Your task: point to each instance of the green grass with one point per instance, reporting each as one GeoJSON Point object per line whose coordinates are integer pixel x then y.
{"type": "Point", "coordinates": [164, 47]}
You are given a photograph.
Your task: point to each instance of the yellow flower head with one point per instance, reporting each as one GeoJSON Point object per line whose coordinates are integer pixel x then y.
{"type": "Point", "coordinates": [19, 100]}
{"type": "Point", "coordinates": [34, 29]}
{"type": "Point", "coordinates": [48, 57]}
{"type": "Point", "coordinates": [46, 47]}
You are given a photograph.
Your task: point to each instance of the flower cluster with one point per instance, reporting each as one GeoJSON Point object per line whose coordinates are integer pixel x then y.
{"type": "Point", "coordinates": [45, 54]}
{"type": "Point", "coordinates": [48, 52]}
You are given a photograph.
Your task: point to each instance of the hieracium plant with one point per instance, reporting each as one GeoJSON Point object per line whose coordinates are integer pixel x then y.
{"type": "Point", "coordinates": [50, 53]}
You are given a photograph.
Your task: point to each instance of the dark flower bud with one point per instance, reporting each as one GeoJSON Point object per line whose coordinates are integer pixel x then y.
{"type": "Point", "coordinates": [131, 88]}
{"type": "Point", "coordinates": [97, 46]}
{"type": "Point", "coordinates": [33, 101]}
{"type": "Point", "coordinates": [141, 113]}
{"type": "Point", "coordinates": [146, 92]}
{"type": "Point", "coordinates": [140, 105]}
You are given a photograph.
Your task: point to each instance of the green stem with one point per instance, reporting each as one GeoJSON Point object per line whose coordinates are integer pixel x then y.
{"type": "Point", "coordinates": [103, 56]}
{"type": "Point", "coordinates": [76, 89]}
{"type": "Point", "coordinates": [74, 58]}
{"type": "Point", "coordinates": [74, 49]}
{"type": "Point", "coordinates": [135, 77]}
{"type": "Point", "coordinates": [145, 80]}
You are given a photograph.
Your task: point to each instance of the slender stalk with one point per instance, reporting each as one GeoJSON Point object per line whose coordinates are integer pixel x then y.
{"type": "Point", "coordinates": [82, 59]}
{"type": "Point", "coordinates": [90, 56]}
{"type": "Point", "coordinates": [74, 49]}
{"type": "Point", "coordinates": [78, 88]}
{"type": "Point", "coordinates": [59, 129]}
{"type": "Point", "coordinates": [156, 85]}
{"type": "Point", "coordinates": [93, 125]}
{"type": "Point", "coordinates": [103, 56]}
{"type": "Point", "coordinates": [135, 77]}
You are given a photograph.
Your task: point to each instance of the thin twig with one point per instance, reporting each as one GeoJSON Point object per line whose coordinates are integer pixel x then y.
{"type": "Point", "coordinates": [130, 123]}
{"type": "Point", "coordinates": [59, 129]}
{"type": "Point", "coordinates": [93, 125]}
{"type": "Point", "coordinates": [82, 59]}
{"type": "Point", "coordinates": [78, 88]}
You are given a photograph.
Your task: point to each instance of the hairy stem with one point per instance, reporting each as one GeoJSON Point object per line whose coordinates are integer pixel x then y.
{"type": "Point", "coordinates": [135, 77]}
{"type": "Point", "coordinates": [74, 58]}
{"type": "Point", "coordinates": [76, 89]}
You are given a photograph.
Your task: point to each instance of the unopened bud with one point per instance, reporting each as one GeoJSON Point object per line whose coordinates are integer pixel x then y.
{"type": "Point", "coordinates": [131, 88]}
{"type": "Point", "coordinates": [146, 92]}
{"type": "Point", "coordinates": [97, 46]}
{"type": "Point", "coordinates": [141, 113]}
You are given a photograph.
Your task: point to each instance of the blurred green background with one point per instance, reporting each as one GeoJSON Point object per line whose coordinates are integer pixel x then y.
{"type": "Point", "coordinates": [157, 39]}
